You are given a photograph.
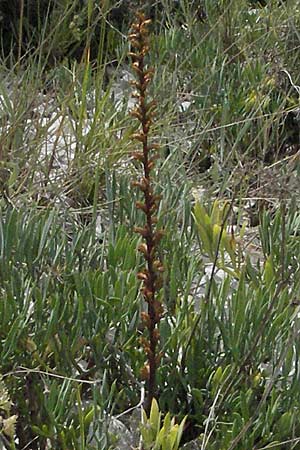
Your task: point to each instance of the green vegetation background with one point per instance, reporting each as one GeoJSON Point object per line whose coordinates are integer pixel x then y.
{"type": "Point", "coordinates": [226, 82]}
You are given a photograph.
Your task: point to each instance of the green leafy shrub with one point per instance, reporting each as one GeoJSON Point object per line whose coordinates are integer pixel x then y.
{"type": "Point", "coordinates": [157, 436]}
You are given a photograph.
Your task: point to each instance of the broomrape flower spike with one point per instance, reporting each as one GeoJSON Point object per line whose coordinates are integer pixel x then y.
{"type": "Point", "coordinates": [151, 275]}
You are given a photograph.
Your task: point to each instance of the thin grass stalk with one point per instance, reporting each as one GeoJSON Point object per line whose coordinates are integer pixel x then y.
{"type": "Point", "coordinates": [20, 32]}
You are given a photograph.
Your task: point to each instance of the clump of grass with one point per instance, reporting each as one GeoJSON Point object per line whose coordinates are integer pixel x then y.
{"type": "Point", "coordinates": [151, 274]}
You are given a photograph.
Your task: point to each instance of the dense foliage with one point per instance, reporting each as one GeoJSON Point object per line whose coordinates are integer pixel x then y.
{"type": "Point", "coordinates": [225, 79]}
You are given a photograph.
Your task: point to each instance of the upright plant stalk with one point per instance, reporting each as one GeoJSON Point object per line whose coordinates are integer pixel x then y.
{"type": "Point", "coordinates": [151, 274]}
{"type": "Point", "coordinates": [20, 33]}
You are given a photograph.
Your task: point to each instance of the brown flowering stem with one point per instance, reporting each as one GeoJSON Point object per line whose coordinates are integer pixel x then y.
{"type": "Point", "coordinates": [150, 275]}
